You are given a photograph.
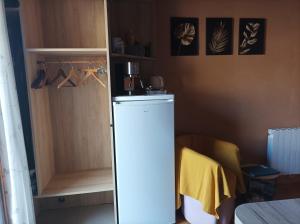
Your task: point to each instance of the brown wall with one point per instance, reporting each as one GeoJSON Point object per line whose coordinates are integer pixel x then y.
{"type": "Point", "coordinates": [236, 98]}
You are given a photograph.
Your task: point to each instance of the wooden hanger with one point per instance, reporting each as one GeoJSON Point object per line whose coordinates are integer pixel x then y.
{"type": "Point", "coordinates": [61, 73]}
{"type": "Point", "coordinates": [91, 72]}
{"type": "Point", "coordinates": [72, 73]}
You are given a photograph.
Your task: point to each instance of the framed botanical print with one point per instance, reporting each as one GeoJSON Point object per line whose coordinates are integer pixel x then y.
{"type": "Point", "coordinates": [252, 36]}
{"type": "Point", "coordinates": [219, 36]}
{"type": "Point", "coordinates": [184, 36]}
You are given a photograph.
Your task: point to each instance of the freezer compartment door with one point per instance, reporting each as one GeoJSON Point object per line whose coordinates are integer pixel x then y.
{"type": "Point", "coordinates": [144, 156]}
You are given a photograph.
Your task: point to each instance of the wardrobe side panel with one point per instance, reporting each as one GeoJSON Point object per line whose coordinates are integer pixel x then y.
{"type": "Point", "coordinates": [41, 125]}
{"type": "Point", "coordinates": [107, 6]}
{"type": "Point", "coordinates": [30, 12]}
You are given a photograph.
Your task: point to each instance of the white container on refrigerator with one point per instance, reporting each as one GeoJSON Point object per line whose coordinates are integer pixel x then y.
{"type": "Point", "coordinates": [144, 158]}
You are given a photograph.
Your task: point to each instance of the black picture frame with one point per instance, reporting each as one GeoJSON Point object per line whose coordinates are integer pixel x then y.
{"type": "Point", "coordinates": [219, 36]}
{"type": "Point", "coordinates": [184, 36]}
{"type": "Point", "coordinates": [252, 38]}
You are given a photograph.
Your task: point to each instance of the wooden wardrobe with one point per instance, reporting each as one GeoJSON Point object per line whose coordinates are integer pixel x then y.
{"type": "Point", "coordinates": [71, 126]}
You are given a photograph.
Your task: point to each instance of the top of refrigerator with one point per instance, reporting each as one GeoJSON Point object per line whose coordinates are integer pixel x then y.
{"type": "Point", "coordinates": [143, 97]}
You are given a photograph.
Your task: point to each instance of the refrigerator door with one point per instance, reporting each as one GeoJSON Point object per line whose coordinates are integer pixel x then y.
{"type": "Point", "coordinates": [144, 157]}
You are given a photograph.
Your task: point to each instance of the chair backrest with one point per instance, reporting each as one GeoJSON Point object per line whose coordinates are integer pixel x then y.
{"type": "Point", "coordinates": [225, 153]}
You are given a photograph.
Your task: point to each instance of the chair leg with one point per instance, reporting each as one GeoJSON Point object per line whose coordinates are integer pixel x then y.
{"type": "Point", "coordinates": [226, 210]}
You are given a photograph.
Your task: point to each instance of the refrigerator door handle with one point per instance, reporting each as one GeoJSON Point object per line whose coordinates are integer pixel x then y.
{"type": "Point", "coordinates": [143, 102]}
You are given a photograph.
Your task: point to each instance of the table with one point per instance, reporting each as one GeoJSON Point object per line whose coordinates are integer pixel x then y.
{"type": "Point", "coordinates": [271, 212]}
{"type": "Point", "coordinates": [259, 188]}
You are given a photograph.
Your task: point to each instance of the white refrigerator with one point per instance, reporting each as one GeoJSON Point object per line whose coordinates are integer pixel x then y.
{"type": "Point", "coordinates": [145, 159]}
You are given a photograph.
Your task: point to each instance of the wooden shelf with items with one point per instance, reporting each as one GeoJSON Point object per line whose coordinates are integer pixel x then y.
{"type": "Point", "coordinates": [68, 51]}
{"type": "Point", "coordinates": [132, 57]}
{"type": "Point", "coordinates": [132, 38]}
{"type": "Point", "coordinates": [81, 182]}
{"type": "Point", "coordinates": [132, 26]}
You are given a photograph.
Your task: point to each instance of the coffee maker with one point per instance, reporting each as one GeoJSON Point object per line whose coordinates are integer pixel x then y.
{"type": "Point", "coordinates": [133, 84]}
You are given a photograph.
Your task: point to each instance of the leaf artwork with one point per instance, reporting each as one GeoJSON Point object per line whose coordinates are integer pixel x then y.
{"type": "Point", "coordinates": [219, 39]}
{"type": "Point", "coordinates": [184, 36]}
{"type": "Point", "coordinates": [185, 32]}
{"type": "Point", "coordinates": [249, 37]}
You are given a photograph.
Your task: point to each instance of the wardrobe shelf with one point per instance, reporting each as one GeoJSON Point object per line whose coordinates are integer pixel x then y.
{"type": "Point", "coordinates": [128, 56]}
{"type": "Point", "coordinates": [81, 182]}
{"type": "Point", "coordinates": [68, 51]}
{"type": "Point", "coordinates": [78, 215]}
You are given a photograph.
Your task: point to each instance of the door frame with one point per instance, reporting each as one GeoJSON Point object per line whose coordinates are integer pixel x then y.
{"type": "Point", "coordinates": [3, 204]}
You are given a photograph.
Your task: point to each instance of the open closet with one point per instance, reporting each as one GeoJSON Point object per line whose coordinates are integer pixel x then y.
{"type": "Point", "coordinates": [73, 70]}
{"type": "Point", "coordinates": [67, 66]}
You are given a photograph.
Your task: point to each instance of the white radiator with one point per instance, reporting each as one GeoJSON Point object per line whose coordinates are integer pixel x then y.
{"type": "Point", "coordinates": [284, 150]}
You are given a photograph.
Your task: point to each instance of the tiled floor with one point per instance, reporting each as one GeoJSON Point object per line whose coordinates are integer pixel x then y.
{"type": "Point", "coordinates": [287, 187]}
{"type": "Point", "coordinates": [85, 215]}
{"type": "Point", "coordinates": [181, 220]}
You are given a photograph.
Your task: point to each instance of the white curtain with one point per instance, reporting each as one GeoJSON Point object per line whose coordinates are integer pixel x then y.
{"type": "Point", "coordinates": [12, 147]}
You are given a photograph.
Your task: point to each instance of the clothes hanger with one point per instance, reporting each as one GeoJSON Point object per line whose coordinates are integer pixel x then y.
{"type": "Point", "coordinates": [41, 79]}
{"type": "Point", "coordinates": [72, 73]}
{"type": "Point", "coordinates": [92, 72]}
{"type": "Point", "coordinates": [61, 73]}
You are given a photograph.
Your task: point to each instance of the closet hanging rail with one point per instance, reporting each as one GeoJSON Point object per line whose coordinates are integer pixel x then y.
{"type": "Point", "coordinates": [69, 62]}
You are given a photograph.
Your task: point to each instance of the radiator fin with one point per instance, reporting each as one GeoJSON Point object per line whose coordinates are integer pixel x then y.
{"type": "Point", "coordinates": [284, 150]}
